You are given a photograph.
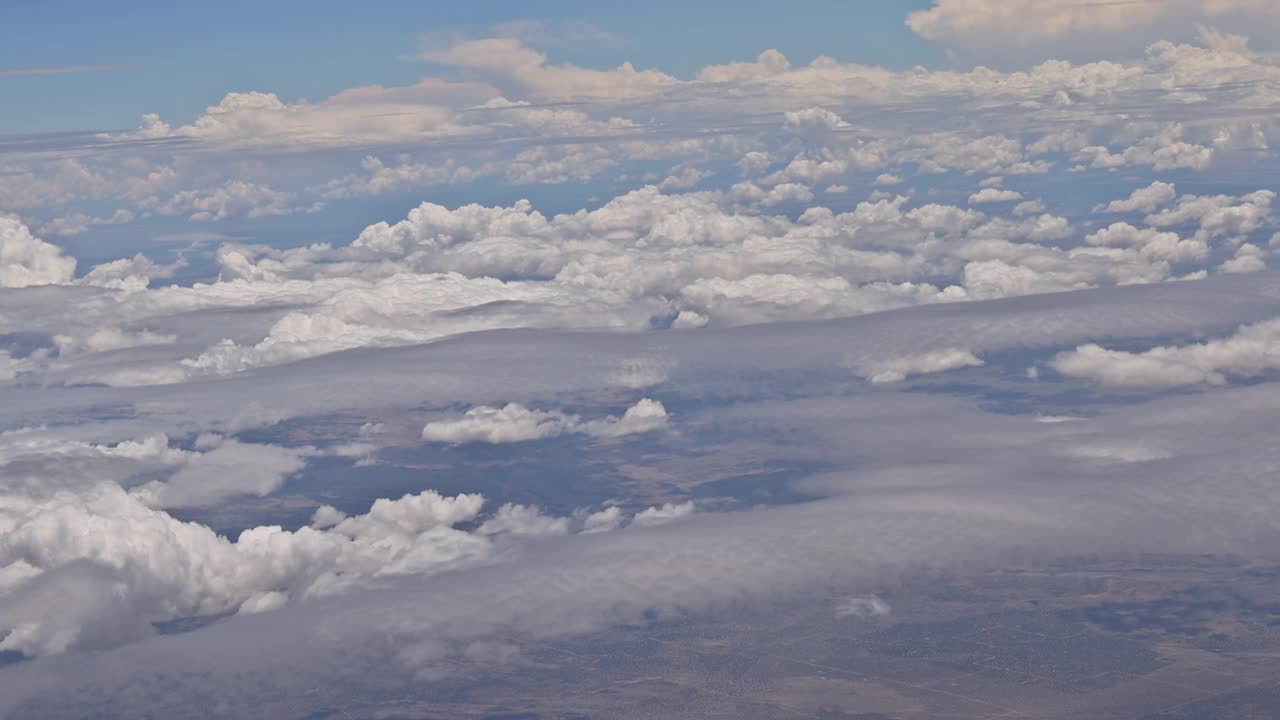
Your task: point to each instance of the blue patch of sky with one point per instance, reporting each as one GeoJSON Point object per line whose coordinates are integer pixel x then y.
{"type": "Point", "coordinates": [177, 58]}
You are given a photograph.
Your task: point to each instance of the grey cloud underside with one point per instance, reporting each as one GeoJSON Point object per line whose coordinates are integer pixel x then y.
{"type": "Point", "coordinates": [913, 481]}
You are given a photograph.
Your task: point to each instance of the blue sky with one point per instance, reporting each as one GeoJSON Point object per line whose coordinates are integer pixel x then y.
{"type": "Point", "coordinates": [177, 58]}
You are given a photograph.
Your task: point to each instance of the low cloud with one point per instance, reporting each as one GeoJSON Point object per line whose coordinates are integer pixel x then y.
{"type": "Point", "coordinates": [516, 423]}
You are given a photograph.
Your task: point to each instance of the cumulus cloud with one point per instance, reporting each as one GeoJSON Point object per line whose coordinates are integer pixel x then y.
{"type": "Point", "coordinates": [935, 361]}
{"type": "Point", "coordinates": [26, 260]}
{"type": "Point", "coordinates": [1251, 351]}
{"type": "Point", "coordinates": [1143, 200]}
{"type": "Point", "coordinates": [232, 199]}
{"type": "Point", "coordinates": [516, 423]}
{"type": "Point", "coordinates": [994, 195]}
{"type": "Point", "coordinates": [669, 512]}
{"type": "Point", "coordinates": [508, 63]}
{"type": "Point", "coordinates": [137, 565]}
{"type": "Point", "coordinates": [508, 424]}
{"type": "Point", "coordinates": [1217, 216]}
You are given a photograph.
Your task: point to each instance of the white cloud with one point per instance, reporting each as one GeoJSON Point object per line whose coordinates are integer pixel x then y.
{"type": "Point", "coordinates": [1249, 258]}
{"type": "Point", "coordinates": [517, 423]}
{"type": "Point", "coordinates": [1218, 215]}
{"type": "Point", "coordinates": [1252, 350]}
{"type": "Point", "coordinates": [156, 567]}
{"type": "Point", "coordinates": [667, 513]}
{"type": "Point", "coordinates": [77, 223]}
{"type": "Point", "coordinates": [935, 361]}
{"type": "Point", "coordinates": [507, 63]}
{"type": "Point", "coordinates": [508, 424]}
{"type": "Point", "coordinates": [683, 178]}
{"type": "Point", "coordinates": [235, 198]}
{"type": "Point", "coordinates": [26, 260]}
{"type": "Point", "coordinates": [230, 469]}
{"type": "Point", "coordinates": [1143, 200]}
{"type": "Point", "coordinates": [994, 195]}
{"type": "Point", "coordinates": [1165, 246]}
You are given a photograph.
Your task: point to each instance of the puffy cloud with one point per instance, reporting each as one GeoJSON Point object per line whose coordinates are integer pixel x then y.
{"type": "Point", "coordinates": [1143, 200]}
{"type": "Point", "coordinates": [77, 223]}
{"type": "Point", "coordinates": [935, 361]}
{"type": "Point", "coordinates": [1150, 243]}
{"type": "Point", "coordinates": [1252, 350]}
{"type": "Point", "coordinates": [1161, 151]}
{"type": "Point", "coordinates": [610, 518]}
{"type": "Point", "coordinates": [508, 63]}
{"type": "Point", "coordinates": [994, 195]}
{"type": "Point", "coordinates": [232, 199]}
{"type": "Point", "coordinates": [645, 416]}
{"type": "Point", "coordinates": [523, 520]}
{"type": "Point", "coordinates": [683, 178]}
{"type": "Point", "coordinates": [517, 423]}
{"type": "Point", "coordinates": [137, 565]}
{"type": "Point", "coordinates": [1248, 258]}
{"type": "Point", "coordinates": [1218, 215]}
{"type": "Point", "coordinates": [508, 424]}
{"type": "Point", "coordinates": [26, 260]}
{"type": "Point", "coordinates": [667, 513]}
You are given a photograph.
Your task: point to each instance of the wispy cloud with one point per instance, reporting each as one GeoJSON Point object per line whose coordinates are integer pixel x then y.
{"type": "Point", "coordinates": [59, 69]}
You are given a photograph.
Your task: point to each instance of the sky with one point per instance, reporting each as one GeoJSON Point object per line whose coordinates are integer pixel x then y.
{"type": "Point", "coordinates": [177, 59]}
{"type": "Point", "coordinates": [451, 329]}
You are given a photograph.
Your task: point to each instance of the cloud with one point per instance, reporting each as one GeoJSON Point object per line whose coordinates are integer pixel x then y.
{"type": "Point", "coordinates": [235, 198]}
{"type": "Point", "coordinates": [863, 607]}
{"type": "Point", "coordinates": [900, 368]}
{"type": "Point", "coordinates": [517, 423]}
{"type": "Point", "coordinates": [1025, 22]}
{"type": "Point", "coordinates": [77, 223]}
{"type": "Point", "coordinates": [232, 468]}
{"type": "Point", "coordinates": [1143, 200]}
{"type": "Point", "coordinates": [1251, 351]}
{"type": "Point", "coordinates": [26, 260]}
{"type": "Point", "coordinates": [508, 63]}
{"type": "Point", "coordinates": [994, 195]}
{"type": "Point", "coordinates": [508, 424]}
{"type": "Point", "coordinates": [1217, 216]}
{"type": "Point", "coordinates": [669, 512]}
{"type": "Point", "coordinates": [137, 565]}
